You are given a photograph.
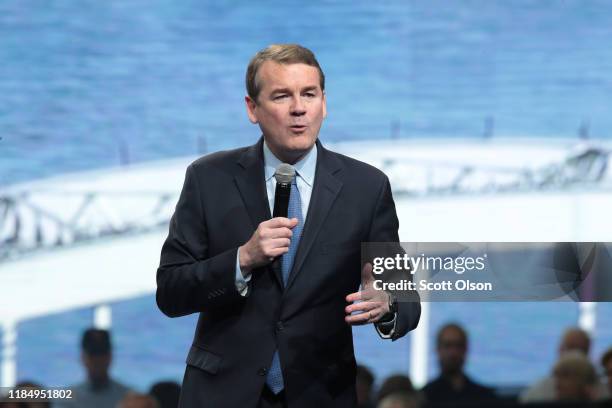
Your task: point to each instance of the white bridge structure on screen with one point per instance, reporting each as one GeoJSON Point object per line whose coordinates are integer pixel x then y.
{"type": "Point", "coordinates": [93, 238]}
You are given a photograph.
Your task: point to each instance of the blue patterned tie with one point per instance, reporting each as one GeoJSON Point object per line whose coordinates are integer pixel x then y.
{"type": "Point", "coordinates": [275, 375]}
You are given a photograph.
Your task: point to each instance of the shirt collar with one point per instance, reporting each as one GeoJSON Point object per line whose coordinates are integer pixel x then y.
{"type": "Point", "coordinates": [305, 167]}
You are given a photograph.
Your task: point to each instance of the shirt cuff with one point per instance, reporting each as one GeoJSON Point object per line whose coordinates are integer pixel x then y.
{"type": "Point", "coordinates": [242, 283]}
{"type": "Point", "coordinates": [386, 329]}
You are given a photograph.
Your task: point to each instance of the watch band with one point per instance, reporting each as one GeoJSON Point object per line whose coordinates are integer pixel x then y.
{"type": "Point", "coordinates": [392, 303]}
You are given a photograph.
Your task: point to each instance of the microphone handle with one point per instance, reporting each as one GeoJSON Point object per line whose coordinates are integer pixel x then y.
{"type": "Point", "coordinates": [281, 199]}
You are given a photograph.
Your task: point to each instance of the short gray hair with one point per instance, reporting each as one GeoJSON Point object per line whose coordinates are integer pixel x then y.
{"type": "Point", "coordinates": [282, 54]}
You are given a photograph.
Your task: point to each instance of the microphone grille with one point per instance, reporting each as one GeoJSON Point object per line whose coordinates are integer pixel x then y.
{"type": "Point", "coordinates": [284, 173]}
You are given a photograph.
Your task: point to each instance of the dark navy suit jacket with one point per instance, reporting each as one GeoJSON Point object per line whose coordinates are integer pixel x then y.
{"type": "Point", "coordinates": [222, 202]}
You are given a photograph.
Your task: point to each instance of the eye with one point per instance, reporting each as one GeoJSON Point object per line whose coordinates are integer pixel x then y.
{"type": "Point", "coordinates": [279, 97]}
{"type": "Point", "coordinates": [310, 94]}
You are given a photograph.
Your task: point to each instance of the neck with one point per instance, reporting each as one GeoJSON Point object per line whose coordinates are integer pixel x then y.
{"type": "Point", "coordinates": [289, 157]}
{"type": "Point", "coordinates": [99, 383]}
{"type": "Point", "coordinates": [456, 379]}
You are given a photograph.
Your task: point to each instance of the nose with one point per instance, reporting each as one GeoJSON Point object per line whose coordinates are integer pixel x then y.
{"type": "Point", "coordinates": [297, 107]}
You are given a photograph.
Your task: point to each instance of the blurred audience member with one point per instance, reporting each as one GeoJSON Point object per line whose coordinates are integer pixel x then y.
{"type": "Point", "coordinates": [573, 340]}
{"type": "Point", "coordinates": [7, 402]}
{"type": "Point", "coordinates": [399, 400]}
{"type": "Point", "coordinates": [29, 403]}
{"type": "Point", "coordinates": [453, 385]}
{"type": "Point", "coordinates": [606, 362]}
{"type": "Point", "coordinates": [134, 400]}
{"type": "Point", "coordinates": [99, 390]}
{"type": "Point", "coordinates": [364, 384]}
{"type": "Point", "coordinates": [575, 378]}
{"type": "Point", "coordinates": [30, 385]}
{"type": "Point", "coordinates": [394, 384]}
{"type": "Point", "coordinates": [166, 393]}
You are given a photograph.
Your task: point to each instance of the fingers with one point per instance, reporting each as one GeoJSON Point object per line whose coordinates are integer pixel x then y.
{"type": "Point", "coordinates": [278, 227]}
{"type": "Point", "coordinates": [280, 222]}
{"type": "Point", "coordinates": [354, 297]}
{"type": "Point", "coordinates": [279, 243]}
{"type": "Point", "coordinates": [275, 247]}
{"type": "Point", "coordinates": [363, 318]}
{"type": "Point", "coordinates": [362, 295]}
{"type": "Point", "coordinates": [270, 233]}
{"type": "Point", "coordinates": [271, 240]}
{"type": "Point", "coordinates": [274, 237]}
{"type": "Point", "coordinates": [362, 306]}
{"type": "Point", "coordinates": [276, 252]}
{"type": "Point", "coordinates": [367, 306]}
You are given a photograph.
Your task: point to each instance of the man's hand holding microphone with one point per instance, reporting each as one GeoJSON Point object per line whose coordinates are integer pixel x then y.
{"type": "Point", "coordinates": [270, 240]}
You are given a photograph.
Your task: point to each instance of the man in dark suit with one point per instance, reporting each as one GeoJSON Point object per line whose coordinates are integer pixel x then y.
{"type": "Point", "coordinates": [277, 296]}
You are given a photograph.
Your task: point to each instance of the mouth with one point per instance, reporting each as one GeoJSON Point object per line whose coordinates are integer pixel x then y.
{"type": "Point", "coordinates": [298, 128]}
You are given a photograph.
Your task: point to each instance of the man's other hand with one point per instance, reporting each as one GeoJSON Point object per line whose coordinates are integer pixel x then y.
{"type": "Point", "coordinates": [271, 239]}
{"type": "Point", "coordinates": [371, 304]}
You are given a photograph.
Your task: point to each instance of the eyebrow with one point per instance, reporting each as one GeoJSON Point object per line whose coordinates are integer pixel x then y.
{"type": "Point", "coordinates": [287, 90]}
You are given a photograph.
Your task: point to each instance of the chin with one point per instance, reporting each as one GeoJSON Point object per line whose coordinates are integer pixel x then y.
{"type": "Point", "coordinates": [302, 143]}
{"type": "Point", "coordinates": [296, 145]}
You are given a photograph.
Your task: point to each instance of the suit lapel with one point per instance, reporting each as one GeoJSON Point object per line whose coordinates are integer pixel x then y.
{"type": "Point", "coordinates": [325, 190]}
{"type": "Point", "coordinates": [251, 183]}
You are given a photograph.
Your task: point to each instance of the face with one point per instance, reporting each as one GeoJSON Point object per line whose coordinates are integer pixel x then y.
{"type": "Point", "coordinates": [574, 341]}
{"type": "Point", "coordinates": [451, 351]}
{"type": "Point", "coordinates": [96, 366]}
{"type": "Point", "coordinates": [289, 109]}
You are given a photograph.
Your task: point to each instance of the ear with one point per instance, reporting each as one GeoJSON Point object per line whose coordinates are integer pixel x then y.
{"type": "Point", "coordinates": [324, 101]}
{"type": "Point", "coordinates": [251, 107]}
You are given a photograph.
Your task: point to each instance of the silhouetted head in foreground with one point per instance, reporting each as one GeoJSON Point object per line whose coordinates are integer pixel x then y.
{"type": "Point", "coordinates": [452, 346]}
{"type": "Point", "coordinates": [96, 355]}
{"type": "Point", "coordinates": [575, 377]}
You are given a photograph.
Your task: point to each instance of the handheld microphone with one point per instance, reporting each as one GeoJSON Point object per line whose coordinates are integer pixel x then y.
{"type": "Point", "coordinates": [284, 175]}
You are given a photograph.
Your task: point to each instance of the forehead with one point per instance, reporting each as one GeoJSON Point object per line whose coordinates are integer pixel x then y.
{"type": "Point", "coordinates": [272, 75]}
{"type": "Point", "coordinates": [574, 339]}
{"type": "Point", "coordinates": [451, 334]}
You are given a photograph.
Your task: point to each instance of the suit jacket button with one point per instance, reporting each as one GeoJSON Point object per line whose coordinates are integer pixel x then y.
{"type": "Point", "coordinates": [262, 371]}
{"type": "Point", "coordinates": [279, 326]}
